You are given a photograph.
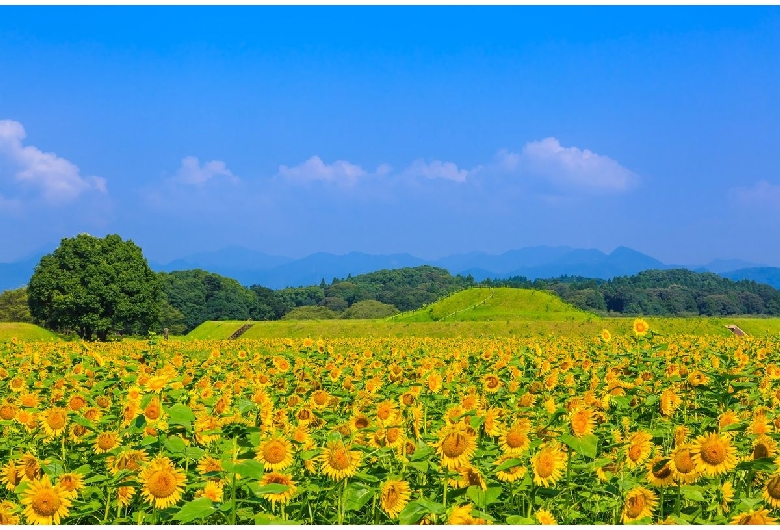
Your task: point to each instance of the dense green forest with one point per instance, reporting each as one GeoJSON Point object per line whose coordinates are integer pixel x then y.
{"type": "Point", "coordinates": [194, 296]}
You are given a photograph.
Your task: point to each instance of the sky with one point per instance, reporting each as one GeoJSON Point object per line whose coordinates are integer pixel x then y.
{"type": "Point", "coordinates": [428, 130]}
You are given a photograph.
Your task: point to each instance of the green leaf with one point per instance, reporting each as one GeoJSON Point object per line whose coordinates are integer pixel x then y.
{"type": "Point", "coordinates": [271, 488]}
{"type": "Point", "coordinates": [180, 414]}
{"type": "Point", "coordinates": [761, 464]}
{"type": "Point", "coordinates": [356, 496]}
{"type": "Point", "coordinates": [250, 469]}
{"type": "Point", "coordinates": [692, 493]}
{"type": "Point", "coordinates": [175, 444]}
{"type": "Point", "coordinates": [422, 467]}
{"type": "Point", "coordinates": [586, 445]}
{"type": "Point", "coordinates": [412, 514]}
{"type": "Point", "coordinates": [519, 519]}
{"type": "Point", "coordinates": [482, 497]}
{"type": "Point", "coordinates": [433, 507]}
{"type": "Point", "coordinates": [512, 462]}
{"type": "Point", "coordinates": [196, 509]}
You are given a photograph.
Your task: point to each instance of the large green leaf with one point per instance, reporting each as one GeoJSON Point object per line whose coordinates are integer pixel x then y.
{"type": "Point", "coordinates": [586, 445]}
{"type": "Point", "coordinates": [196, 509]}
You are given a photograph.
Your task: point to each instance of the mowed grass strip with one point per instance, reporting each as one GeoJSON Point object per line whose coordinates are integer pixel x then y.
{"type": "Point", "coordinates": [23, 331]}
{"type": "Point", "coordinates": [214, 329]}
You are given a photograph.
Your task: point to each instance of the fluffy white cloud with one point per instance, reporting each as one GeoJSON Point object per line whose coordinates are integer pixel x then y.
{"type": "Point", "coordinates": [56, 178]}
{"type": "Point", "coordinates": [191, 172]}
{"type": "Point", "coordinates": [436, 170]}
{"type": "Point", "coordinates": [568, 167]}
{"type": "Point", "coordinates": [762, 193]}
{"type": "Point", "coordinates": [314, 168]}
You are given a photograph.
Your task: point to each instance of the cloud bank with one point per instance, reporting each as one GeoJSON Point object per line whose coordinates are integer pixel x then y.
{"type": "Point", "coordinates": [762, 193]}
{"type": "Point", "coordinates": [192, 173]}
{"type": "Point", "coordinates": [58, 180]}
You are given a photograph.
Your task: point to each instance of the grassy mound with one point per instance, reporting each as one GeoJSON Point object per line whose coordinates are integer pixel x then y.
{"type": "Point", "coordinates": [213, 329]}
{"type": "Point", "coordinates": [504, 303]}
{"type": "Point", "coordinates": [22, 331]}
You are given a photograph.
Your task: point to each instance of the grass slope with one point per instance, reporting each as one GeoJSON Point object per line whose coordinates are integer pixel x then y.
{"type": "Point", "coordinates": [503, 303]}
{"type": "Point", "coordinates": [22, 331]}
{"type": "Point", "coordinates": [214, 329]}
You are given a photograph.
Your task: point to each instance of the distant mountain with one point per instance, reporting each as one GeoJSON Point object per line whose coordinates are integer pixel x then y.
{"type": "Point", "coordinates": [234, 262]}
{"type": "Point", "coordinates": [17, 274]}
{"type": "Point", "coordinates": [502, 263]}
{"type": "Point", "coordinates": [720, 266]}
{"type": "Point", "coordinates": [768, 275]}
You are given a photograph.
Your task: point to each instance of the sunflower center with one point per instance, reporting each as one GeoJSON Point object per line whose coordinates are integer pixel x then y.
{"type": "Point", "coordinates": [274, 452]}
{"type": "Point", "coordinates": [453, 445]}
{"type": "Point", "coordinates": [663, 473]}
{"type": "Point", "coordinates": [760, 451]}
{"type": "Point", "coordinates": [635, 505]}
{"type": "Point", "coordinates": [683, 461]}
{"type": "Point", "coordinates": [545, 465]}
{"type": "Point", "coordinates": [67, 482]}
{"type": "Point", "coordinates": [7, 412]}
{"type": "Point", "coordinates": [773, 487]}
{"type": "Point", "coordinates": [105, 441]}
{"type": "Point", "coordinates": [390, 496]}
{"type": "Point", "coordinates": [46, 503]}
{"type": "Point", "coordinates": [579, 423]}
{"type": "Point", "coordinates": [491, 381]}
{"type": "Point", "coordinates": [339, 459]}
{"type": "Point", "coordinates": [152, 411]}
{"type": "Point", "coordinates": [56, 420]}
{"type": "Point", "coordinates": [161, 484]}
{"type": "Point", "coordinates": [635, 452]}
{"type": "Point", "coordinates": [392, 435]}
{"type": "Point", "coordinates": [361, 422]}
{"type": "Point", "coordinates": [515, 439]}
{"type": "Point", "coordinates": [383, 413]}
{"type": "Point", "coordinates": [713, 453]}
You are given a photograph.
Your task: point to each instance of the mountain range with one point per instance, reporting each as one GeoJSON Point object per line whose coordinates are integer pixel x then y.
{"type": "Point", "coordinates": [252, 267]}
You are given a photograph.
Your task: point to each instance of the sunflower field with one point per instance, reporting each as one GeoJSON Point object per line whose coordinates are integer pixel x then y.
{"type": "Point", "coordinates": [617, 429]}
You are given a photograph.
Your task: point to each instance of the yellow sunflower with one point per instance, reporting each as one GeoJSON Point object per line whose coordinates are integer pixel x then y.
{"type": "Point", "coordinates": [514, 440]}
{"type": "Point", "coordinates": [394, 496]}
{"type": "Point", "coordinates": [106, 441]}
{"type": "Point", "coordinates": [548, 464]}
{"type": "Point", "coordinates": [491, 383]}
{"type": "Point", "coordinates": [771, 493]}
{"type": "Point", "coordinates": [544, 517]}
{"type": "Point", "coordinates": [8, 513]}
{"type": "Point", "coordinates": [764, 447]}
{"type": "Point", "coordinates": [276, 453]}
{"type": "Point", "coordinates": [162, 483]}
{"type": "Point", "coordinates": [124, 495]}
{"type": "Point", "coordinates": [11, 475]}
{"type": "Point", "coordinates": [606, 336]}
{"type": "Point", "coordinates": [682, 465]}
{"type": "Point", "coordinates": [641, 327]}
{"type": "Point", "coordinates": [213, 490]}
{"type": "Point", "coordinates": [659, 472]}
{"type": "Point", "coordinates": [467, 476]}
{"type": "Point", "coordinates": [456, 445]}
{"type": "Point", "coordinates": [713, 455]}
{"type": "Point", "coordinates": [71, 483]}
{"type": "Point", "coordinates": [131, 460]}
{"type": "Point", "coordinates": [510, 474]}
{"type": "Point", "coordinates": [760, 517]}
{"type": "Point", "coordinates": [283, 480]}
{"type": "Point", "coordinates": [638, 448]}
{"type": "Point", "coordinates": [582, 422]}
{"type": "Point", "coordinates": [338, 461]}
{"type": "Point", "coordinates": [54, 421]}
{"type": "Point", "coordinates": [44, 503]}
{"type": "Point", "coordinates": [639, 503]}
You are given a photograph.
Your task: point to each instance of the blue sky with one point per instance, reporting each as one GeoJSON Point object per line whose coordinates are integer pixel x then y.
{"type": "Point", "coordinates": [428, 130]}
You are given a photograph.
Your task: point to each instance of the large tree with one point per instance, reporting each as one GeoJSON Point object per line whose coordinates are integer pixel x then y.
{"type": "Point", "coordinates": [94, 286]}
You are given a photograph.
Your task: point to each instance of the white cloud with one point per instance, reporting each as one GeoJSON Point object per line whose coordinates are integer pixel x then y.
{"type": "Point", "coordinates": [57, 179]}
{"type": "Point", "coordinates": [314, 168]}
{"type": "Point", "coordinates": [436, 170]}
{"type": "Point", "coordinates": [568, 167]}
{"type": "Point", "coordinates": [762, 193]}
{"type": "Point", "coordinates": [191, 172]}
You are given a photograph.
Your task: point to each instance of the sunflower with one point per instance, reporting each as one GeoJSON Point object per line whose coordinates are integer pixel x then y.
{"type": "Point", "coordinates": [359, 421]}
{"type": "Point", "coordinates": [8, 513]}
{"type": "Point", "coordinates": [659, 472]}
{"type": "Point", "coordinates": [283, 480]}
{"type": "Point", "coordinates": [209, 464]}
{"type": "Point", "coordinates": [434, 382]}
{"type": "Point", "coordinates": [31, 466]}
{"type": "Point", "coordinates": [11, 475]}
{"type": "Point", "coordinates": [8, 411]}
{"type": "Point", "coordinates": [124, 495]}
{"type": "Point", "coordinates": [606, 336]}
{"type": "Point", "coordinates": [764, 447]}
{"type": "Point", "coordinates": [338, 461]}
{"type": "Point", "coordinates": [385, 411]}
{"type": "Point", "coordinates": [713, 455]}
{"type": "Point", "coordinates": [670, 402]}
{"type": "Point", "coordinates": [726, 496]}
{"type": "Point", "coordinates": [72, 483]}
{"type": "Point", "coordinates": [510, 474]}
{"type": "Point", "coordinates": [77, 402]}
{"type": "Point", "coordinates": [582, 422]}
{"type": "Point", "coordinates": [754, 517]}
{"type": "Point", "coordinates": [44, 503]}
{"type": "Point", "coordinates": [638, 448]}
{"type": "Point", "coordinates": [682, 465]}
{"type": "Point", "coordinates": [641, 327]}
{"type": "Point", "coordinates": [492, 423]}
{"type": "Point", "coordinates": [106, 441]}
{"type": "Point", "coordinates": [514, 440]}
{"type": "Point", "coordinates": [467, 476]}
{"type": "Point", "coordinates": [54, 421]}
{"type": "Point", "coordinates": [771, 493]}
{"type": "Point", "coordinates": [456, 445]}
{"type": "Point", "coordinates": [544, 516]}
{"type": "Point", "coordinates": [130, 460]}
{"type": "Point", "coordinates": [162, 483]}
{"type": "Point", "coordinates": [153, 410]}
{"type": "Point", "coordinates": [394, 496]}
{"type": "Point", "coordinates": [461, 515]}
{"type": "Point", "coordinates": [548, 464]}
{"type": "Point", "coordinates": [213, 490]}
{"type": "Point", "coordinates": [728, 418]}
{"type": "Point", "coordinates": [639, 503]}
{"type": "Point", "coordinates": [491, 383]}
{"type": "Point", "coordinates": [276, 453]}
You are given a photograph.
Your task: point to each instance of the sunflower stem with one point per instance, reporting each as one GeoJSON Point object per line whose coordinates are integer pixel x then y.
{"type": "Point", "coordinates": [108, 505]}
{"type": "Point", "coordinates": [446, 479]}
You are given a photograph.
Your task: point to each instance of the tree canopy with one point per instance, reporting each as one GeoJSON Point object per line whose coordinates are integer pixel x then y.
{"type": "Point", "coordinates": [95, 286]}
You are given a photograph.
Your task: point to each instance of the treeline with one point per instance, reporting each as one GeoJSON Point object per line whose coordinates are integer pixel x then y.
{"type": "Point", "coordinates": [195, 296]}
{"type": "Point", "coordinates": [673, 292]}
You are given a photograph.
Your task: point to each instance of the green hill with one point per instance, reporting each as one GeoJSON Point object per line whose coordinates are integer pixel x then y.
{"type": "Point", "coordinates": [503, 303]}
{"type": "Point", "coordinates": [23, 331]}
{"type": "Point", "coordinates": [216, 329]}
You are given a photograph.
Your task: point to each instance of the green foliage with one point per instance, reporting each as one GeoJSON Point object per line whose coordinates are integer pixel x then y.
{"type": "Point", "coordinates": [370, 309]}
{"type": "Point", "coordinates": [94, 286]}
{"type": "Point", "coordinates": [14, 306]}
{"type": "Point", "coordinates": [268, 304]}
{"type": "Point", "coordinates": [316, 312]}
